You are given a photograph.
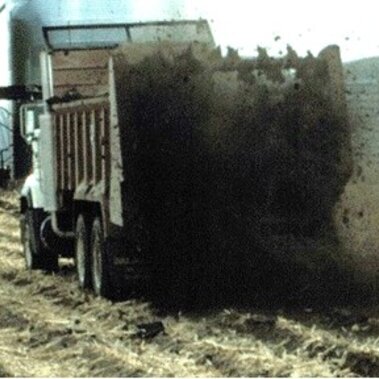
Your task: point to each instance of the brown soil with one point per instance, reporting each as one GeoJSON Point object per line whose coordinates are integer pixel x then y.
{"type": "Point", "coordinates": [49, 328]}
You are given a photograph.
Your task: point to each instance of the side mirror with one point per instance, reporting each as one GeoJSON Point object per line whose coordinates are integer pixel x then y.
{"type": "Point", "coordinates": [29, 120]}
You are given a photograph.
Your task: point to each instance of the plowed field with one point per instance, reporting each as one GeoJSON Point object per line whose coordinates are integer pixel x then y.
{"type": "Point", "coordinates": [49, 328]}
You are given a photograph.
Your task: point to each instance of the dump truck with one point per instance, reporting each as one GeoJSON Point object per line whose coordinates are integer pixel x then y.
{"type": "Point", "coordinates": [72, 202]}
{"type": "Point", "coordinates": [160, 158]}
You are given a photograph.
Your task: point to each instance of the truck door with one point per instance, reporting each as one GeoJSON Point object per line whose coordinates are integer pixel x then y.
{"type": "Point", "coordinates": [30, 131]}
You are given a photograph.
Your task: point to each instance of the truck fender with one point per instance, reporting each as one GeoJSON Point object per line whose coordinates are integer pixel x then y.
{"type": "Point", "coordinates": [32, 193]}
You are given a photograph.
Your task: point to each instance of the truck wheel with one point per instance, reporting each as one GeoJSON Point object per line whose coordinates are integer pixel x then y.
{"type": "Point", "coordinates": [36, 255]}
{"type": "Point", "coordinates": [82, 253]}
{"type": "Point", "coordinates": [102, 266]}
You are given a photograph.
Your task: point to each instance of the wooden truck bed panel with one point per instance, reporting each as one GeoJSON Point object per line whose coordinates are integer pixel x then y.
{"type": "Point", "coordinates": [84, 72]}
{"type": "Point", "coordinates": [81, 127]}
{"type": "Point", "coordinates": [82, 139]}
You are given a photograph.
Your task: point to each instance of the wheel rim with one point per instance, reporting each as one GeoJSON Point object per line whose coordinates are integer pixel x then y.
{"type": "Point", "coordinates": [82, 259]}
{"type": "Point", "coordinates": [97, 264]}
{"type": "Point", "coordinates": [27, 248]}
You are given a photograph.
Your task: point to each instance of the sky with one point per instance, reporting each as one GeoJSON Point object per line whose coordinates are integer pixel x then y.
{"type": "Point", "coordinates": [245, 24]}
{"type": "Point", "coordinates": [305, 25]}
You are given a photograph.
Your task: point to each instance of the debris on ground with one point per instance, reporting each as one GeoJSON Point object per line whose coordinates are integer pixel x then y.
{"type": "Point", "coordinates": [148, 331]}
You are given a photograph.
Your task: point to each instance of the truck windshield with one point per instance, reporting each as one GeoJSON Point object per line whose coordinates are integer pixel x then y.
{"type": "Point", "coordinates": [101, 36]}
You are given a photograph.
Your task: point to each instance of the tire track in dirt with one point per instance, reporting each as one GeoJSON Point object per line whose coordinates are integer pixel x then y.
{"type": "Point", "coordinates": [49, 328]}
{"type": "Point", "coordinates": [246, 355]}
{"type": "Point", "coordinates": [105, 347]}
{"type": "Point", "coordinates": [341, 346]}
{"type": "Point", "coordinates": [201, 342]}
{"type": "Point", "coordinates": [62, 332]}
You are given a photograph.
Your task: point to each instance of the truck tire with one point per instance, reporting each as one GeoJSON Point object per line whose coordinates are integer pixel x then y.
{"type": "Point", "coordinates": [82, 253]}
{"type": "Point", "coordinates": [102, 264]}
{"type": "Point", "coordinates": [37, 257]}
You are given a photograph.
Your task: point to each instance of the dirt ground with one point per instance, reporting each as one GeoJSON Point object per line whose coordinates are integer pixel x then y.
{"type": "Point", "coordinates": [49, 328]}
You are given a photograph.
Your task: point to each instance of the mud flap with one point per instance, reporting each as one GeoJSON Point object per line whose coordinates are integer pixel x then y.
{"type": "Point", "coordinates": [128, 276]}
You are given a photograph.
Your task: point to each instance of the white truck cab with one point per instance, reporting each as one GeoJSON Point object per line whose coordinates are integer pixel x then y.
{"type": "Point", "coordinates": [30, 131]}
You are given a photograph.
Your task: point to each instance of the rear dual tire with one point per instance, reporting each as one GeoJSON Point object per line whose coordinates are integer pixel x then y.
{"type": "Point", "coordinates": [93, 263]}
{"type": "Point", "coordinates": [102, 267]}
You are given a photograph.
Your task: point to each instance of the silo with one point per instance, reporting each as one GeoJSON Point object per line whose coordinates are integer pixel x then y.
{"type": "Point", "coordinates": [5, 106]}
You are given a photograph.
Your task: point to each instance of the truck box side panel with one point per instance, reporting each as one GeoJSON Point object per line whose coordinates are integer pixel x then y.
{"type": "Point", "coordinates": [82, 148]}
{"type": "Point", "coordinates": [83, 72]}
{"type": "Point", "coordinates": [81, 122]}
